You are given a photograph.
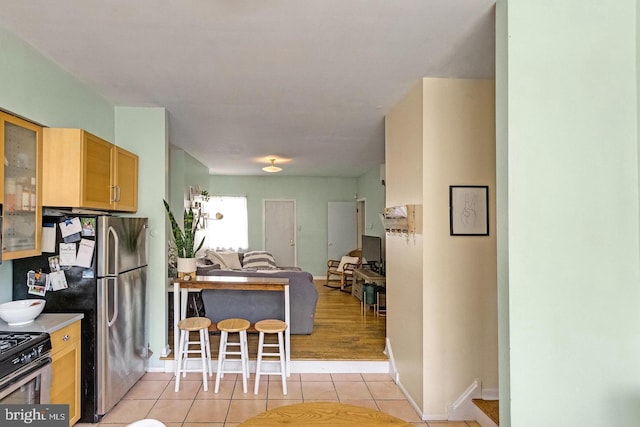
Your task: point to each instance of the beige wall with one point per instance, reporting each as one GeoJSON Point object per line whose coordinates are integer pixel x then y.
{"type": "Point", "coordinates": [454, 277]}
{"type": "Point", "coordinates": [403, 158]}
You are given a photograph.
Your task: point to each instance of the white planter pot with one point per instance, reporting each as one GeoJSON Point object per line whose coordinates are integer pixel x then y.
{"type": "Point", "coordinates": [186, 266]}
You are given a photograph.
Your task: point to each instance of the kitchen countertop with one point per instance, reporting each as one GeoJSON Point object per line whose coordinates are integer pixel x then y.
{"type": "Point", "coordinates": [45, 322]}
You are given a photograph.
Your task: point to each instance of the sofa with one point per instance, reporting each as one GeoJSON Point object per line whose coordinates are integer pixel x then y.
{"type": "Point", "coordinates": [258, 305]}
{"type": "Point", "coordinates": [233, 260]}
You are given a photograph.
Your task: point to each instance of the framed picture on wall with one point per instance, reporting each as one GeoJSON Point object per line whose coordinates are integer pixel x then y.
{"type": "Point", "coordinates": [469, 210]}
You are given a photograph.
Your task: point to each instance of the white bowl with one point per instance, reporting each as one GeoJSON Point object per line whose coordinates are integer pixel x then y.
{"type": "Point", "coordinates": [21, 312]}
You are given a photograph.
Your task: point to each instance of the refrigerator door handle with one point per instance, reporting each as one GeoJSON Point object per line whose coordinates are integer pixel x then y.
{"type": "Point", "coordinates": [116, 252]}
{"type": "Point", "coordinates": [115, 304]}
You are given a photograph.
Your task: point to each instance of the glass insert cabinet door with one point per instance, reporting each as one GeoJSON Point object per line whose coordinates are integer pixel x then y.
{"type": "Point", "coordinates": [22, 176]}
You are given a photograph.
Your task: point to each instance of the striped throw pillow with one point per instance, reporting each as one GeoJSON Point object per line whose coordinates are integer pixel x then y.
{"type": "Point", "coordinates": [258, 260]}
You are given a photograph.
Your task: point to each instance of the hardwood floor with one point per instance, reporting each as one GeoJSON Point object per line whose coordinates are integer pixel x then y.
{"type": "Point", "coordinates": [340, 331]}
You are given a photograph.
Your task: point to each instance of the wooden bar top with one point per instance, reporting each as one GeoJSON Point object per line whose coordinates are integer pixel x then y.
{"type": "Point", "coordinates": [234, 282]}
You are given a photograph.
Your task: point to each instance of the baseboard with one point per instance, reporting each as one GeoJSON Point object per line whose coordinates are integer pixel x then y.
{"type": "Point", "coordinates": [392, 362]}
{"type": "Point", "coordinates": [303, 366]}
{"type": "Point", "coordinates": [340, 366]}
{"type": "Point", "coordinates": [166, 351]}
{"type": "Point", "coordinates": [463, 408]}
{"type": "Point", "coordinates": [490, 394]}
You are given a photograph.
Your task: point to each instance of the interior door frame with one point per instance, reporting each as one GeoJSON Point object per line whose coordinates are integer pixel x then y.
{"type": "Point", "coordinates": [295, 226]}
{"type": "Point", "coordinates": [362, 220]}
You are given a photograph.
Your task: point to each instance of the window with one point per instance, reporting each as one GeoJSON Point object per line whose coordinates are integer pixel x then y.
{"type": "Point", "coordinates": [232, 231]}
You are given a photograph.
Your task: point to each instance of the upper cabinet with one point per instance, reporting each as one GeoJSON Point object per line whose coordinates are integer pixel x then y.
{"type": "Point", "coordinates": [125, 172]}
{"type": "Point", "coordinates": [82, 170]}
{"type": "Point", "coordinates": [21, 145]}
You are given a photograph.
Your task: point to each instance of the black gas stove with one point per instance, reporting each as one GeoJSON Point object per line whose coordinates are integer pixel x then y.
{"type": "Point", "coordinates": [18, 349]}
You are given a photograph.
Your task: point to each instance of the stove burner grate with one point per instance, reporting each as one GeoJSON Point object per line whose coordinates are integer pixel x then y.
{"type": "Point", "coordinates": [12, 340]}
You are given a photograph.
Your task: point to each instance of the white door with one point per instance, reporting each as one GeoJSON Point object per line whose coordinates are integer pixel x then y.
{"type": "Point", "coordinates": [280, 231]}
{"type": "Point", "coordinates": [342, 221]}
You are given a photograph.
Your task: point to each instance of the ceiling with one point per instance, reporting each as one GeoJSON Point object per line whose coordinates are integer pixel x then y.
{"type": "Point", "coordinates": [305, 81]}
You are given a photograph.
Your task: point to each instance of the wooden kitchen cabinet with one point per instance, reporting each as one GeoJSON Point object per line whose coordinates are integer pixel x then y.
{"type": "Point", "coordinates": [20, 189]}
{"type": "Point", "coordinates": [82, 170]}
{"type": "Point", "coordinates": [65, 369]}
{"type": "Point", "coordinates": [126, 179]}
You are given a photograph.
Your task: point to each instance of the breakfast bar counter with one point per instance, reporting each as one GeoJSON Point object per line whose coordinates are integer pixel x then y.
{"type": "Point", "coordinates": [181, 289]}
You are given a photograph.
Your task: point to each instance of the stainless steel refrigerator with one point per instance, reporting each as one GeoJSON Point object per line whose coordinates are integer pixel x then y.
{"type": "Point", "coordinates": [112, 296]}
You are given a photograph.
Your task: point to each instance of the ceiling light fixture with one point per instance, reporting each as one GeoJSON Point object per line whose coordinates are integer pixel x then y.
{"type": "Point", "coordinates": [272, 168]}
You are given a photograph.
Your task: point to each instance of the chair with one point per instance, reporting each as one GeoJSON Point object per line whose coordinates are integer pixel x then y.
{"type": "Point", "coordinates": [341, 271]}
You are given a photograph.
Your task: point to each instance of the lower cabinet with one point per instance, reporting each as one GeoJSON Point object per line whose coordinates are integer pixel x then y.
{"type": "Point", "coordinates": [65, 369]}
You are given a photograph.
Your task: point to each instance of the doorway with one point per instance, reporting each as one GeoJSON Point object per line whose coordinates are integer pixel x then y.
{"type": "Point", "coordinates": [280, 231]}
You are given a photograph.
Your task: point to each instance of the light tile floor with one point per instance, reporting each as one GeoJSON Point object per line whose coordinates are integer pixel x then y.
{"type": "Point", "coordinates": [154, 397]}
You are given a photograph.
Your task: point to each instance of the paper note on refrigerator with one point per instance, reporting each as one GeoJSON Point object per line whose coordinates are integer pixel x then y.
{"type": "Point", "coordinates": [67, 254]}
{"type": "Point", "coordinates": [58, 280]}
{"type": "Point", "coordinates": [70, 226]}
{"type": "Point", "coordinates": [48, 237]}
{"type": "Point", "coordinates": [85, 253]}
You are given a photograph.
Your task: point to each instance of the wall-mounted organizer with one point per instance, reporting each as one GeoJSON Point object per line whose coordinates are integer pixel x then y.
{"type": "Point", "coordinates": [399, 219]}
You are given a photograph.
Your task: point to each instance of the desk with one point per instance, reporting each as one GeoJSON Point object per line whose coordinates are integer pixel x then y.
{"type": "Point", "coordinates": [181, 289]}
{"type": "Point", "coordinates": [369, 277]}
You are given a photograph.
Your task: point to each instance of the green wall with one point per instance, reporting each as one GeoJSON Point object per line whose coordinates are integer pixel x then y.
{"type": "Point", "coordinates": [311, 194]}
{"type": "Point", "coordinates": [185, 171]}
{"type": "Point", "coordinates": [370, 189]}
{"type": "Point", "coordinates": [35, 88]}
{"type": "Point", "coordinates": [571, 157]}
{"type": "Point", "coordinates": [502, 210]}
{"type": "Point", "coordinates": [144, 131]}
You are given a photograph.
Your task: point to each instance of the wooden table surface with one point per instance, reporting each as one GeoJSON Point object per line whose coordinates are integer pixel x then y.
{"type": "Point", "coordinates": [369, 276]}
{"type": "Point", "coordinates": [318, 414]}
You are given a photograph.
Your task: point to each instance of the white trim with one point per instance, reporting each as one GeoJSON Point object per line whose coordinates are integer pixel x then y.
{"type": "Point", "coordinates": [305, 366]}
{"type": "Point", "coordinates": [393, 370]}
{"type": "Point", "coordinates": [340, 366]}
{"type": "Point", "coordinates": [463, 408]}
{"type": "Point", "coordinates": [490, 394]}
{"type": "Point", "coordinates": [416, 407]}
{"type": "Point", "coordinates": [412, 402]}
{"type": "Point", "coordinates": [166, 350]}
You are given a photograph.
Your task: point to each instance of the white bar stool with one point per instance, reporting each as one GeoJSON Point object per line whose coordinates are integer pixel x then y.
{"type": "Point", "coordinates": [192, 324]}
{"type": "Point", "coordinates": [271, 326]}
{"type": "Point", "coordinates": [226, 327]}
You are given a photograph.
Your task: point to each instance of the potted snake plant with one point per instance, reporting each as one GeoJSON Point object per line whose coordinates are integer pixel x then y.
{"type": "Point", "coordinates": [184, 240]}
